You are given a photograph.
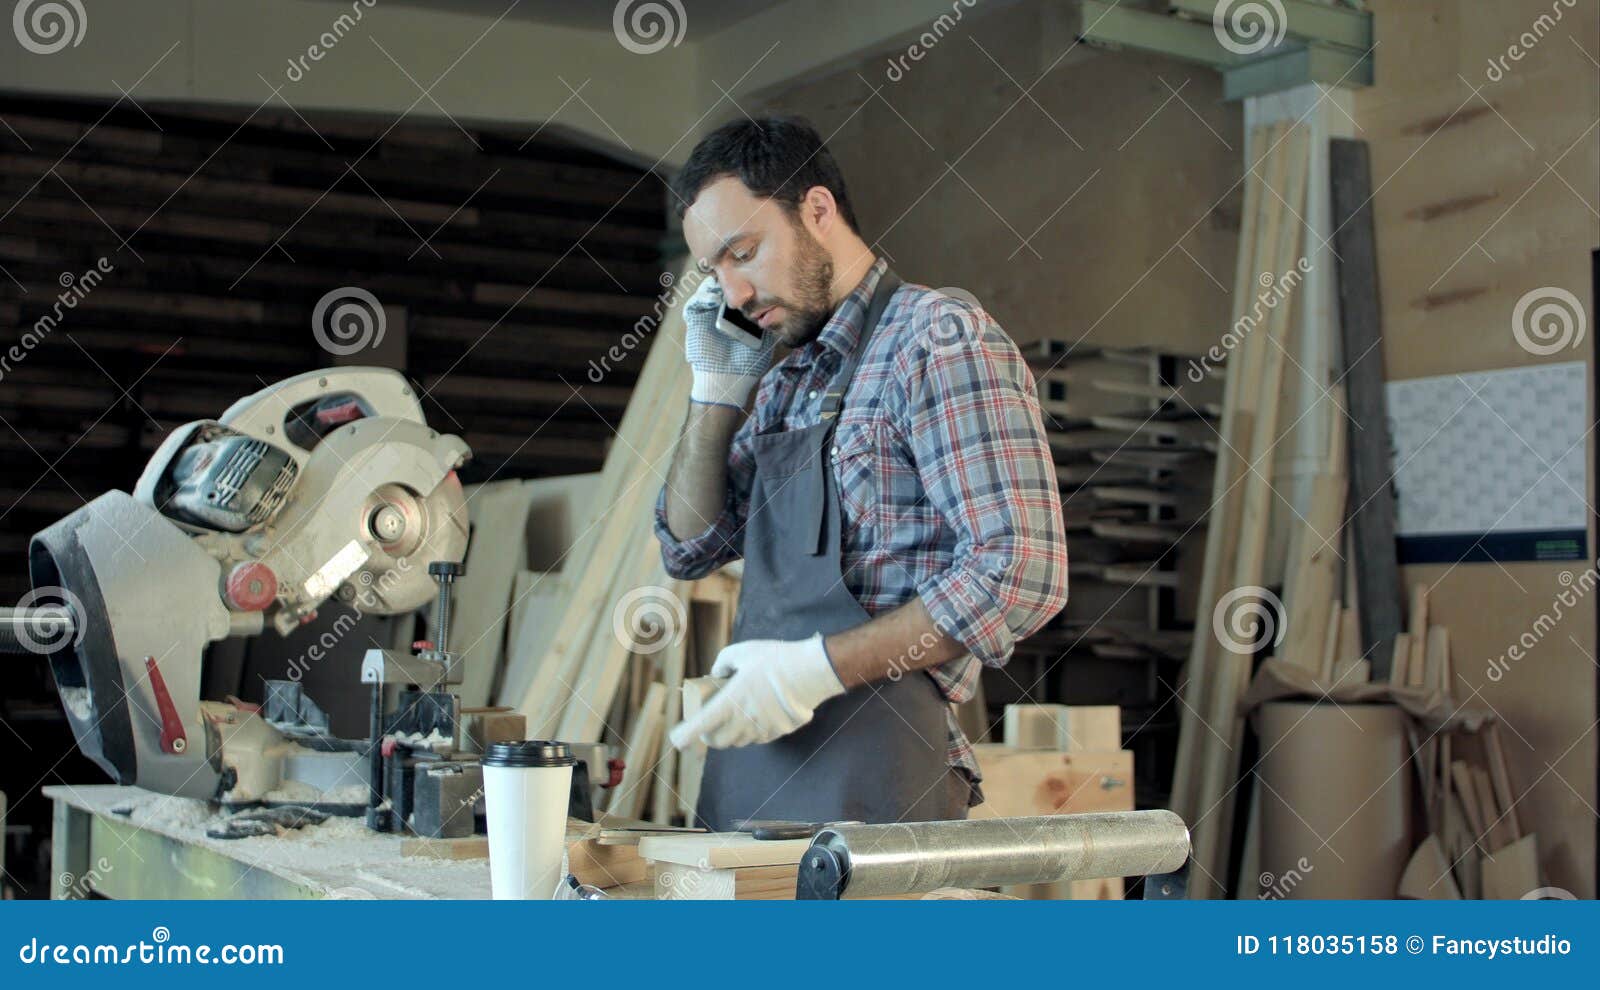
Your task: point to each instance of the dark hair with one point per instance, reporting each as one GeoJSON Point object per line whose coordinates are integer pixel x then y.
{"type": "Point", "coordinates": [778, 158]}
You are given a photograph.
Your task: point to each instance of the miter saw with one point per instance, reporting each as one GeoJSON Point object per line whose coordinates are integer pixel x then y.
{"type": "Point", "coordinates": [326, 485]}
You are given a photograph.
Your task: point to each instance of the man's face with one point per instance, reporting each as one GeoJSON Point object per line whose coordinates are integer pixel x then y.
{"type": "Point", "coordinates": [770, 266]}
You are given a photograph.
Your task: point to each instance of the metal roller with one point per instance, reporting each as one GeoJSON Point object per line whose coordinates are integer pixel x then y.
{"type": "Point", "coordinates": [849, 861]}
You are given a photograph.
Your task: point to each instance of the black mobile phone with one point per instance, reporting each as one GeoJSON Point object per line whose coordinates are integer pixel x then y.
{"type": "Point", "coordinates": [740, 327]}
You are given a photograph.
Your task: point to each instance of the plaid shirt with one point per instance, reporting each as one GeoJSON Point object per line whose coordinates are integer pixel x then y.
{"type": "Point", "coordinates": [944, 475]}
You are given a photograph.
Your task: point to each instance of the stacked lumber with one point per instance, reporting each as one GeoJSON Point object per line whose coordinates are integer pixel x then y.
{"type": "Point", "coordinates": [1237, 546]}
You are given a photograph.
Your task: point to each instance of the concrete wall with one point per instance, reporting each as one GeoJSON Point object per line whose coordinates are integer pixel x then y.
{"type": "Point", "coordinates": [647, 103]}
{"type": "Point", "coordinates": [1099, 207]}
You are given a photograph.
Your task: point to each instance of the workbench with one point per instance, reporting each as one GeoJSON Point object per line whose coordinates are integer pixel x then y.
{"type": "Point", "coordinates": [126, 842]}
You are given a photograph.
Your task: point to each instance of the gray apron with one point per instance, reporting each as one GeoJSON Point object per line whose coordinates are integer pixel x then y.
{"type": "Point", "coordinates": [877, 753]}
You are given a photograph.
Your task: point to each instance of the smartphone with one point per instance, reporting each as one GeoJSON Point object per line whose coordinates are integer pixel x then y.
{"type": "Point", "coordinates": [737, 326]}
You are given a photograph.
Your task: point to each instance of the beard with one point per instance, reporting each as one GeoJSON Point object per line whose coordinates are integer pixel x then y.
{"type": "Point", "coordinates": [812, 277]}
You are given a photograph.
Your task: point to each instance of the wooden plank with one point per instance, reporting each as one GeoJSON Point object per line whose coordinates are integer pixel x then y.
{"type": "Point", "coordinates": [664, 799]}
{"type": "Point", "coordinates": [1256, 225]}
{"type": "Point", "coordinates": [1500, 776]}
{"type": "Point", "coordinates": [1399, 674]}
{"type": "Point", "coordinates": [1065, 728]}
{"type": "Point", "coordinates": [1466, 787]}
{"type": "Point", "coordinates": [1371, 500]}
{"type": "Point", "coordinates": [1333, 625]}
{"type": "Point", "coordinates": [644, 744]}
{"type": "Point", "coordinates": [1498, 835]}
{"type": "Point", "coordinates": [1260, 398]}
{"type": "Point", "coordinates": [692, 759]}
{"type": "Point", "coordinates": [1020, 783]}
{"type": "Point", "coordinates": [1313, 571]}
{"type": "Point", "coordinates": [625, 493]}
{"type": "Point", "coordinates": [721, 850]}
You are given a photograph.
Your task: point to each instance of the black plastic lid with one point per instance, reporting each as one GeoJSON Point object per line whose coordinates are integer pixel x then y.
{"type": "Point", "coordinates": [529, 753]}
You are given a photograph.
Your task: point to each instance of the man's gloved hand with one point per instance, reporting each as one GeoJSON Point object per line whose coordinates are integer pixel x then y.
{"type": "Point", "coordinates": [774, 687]}
{"type": "Point", "coordinates": [725, 371]}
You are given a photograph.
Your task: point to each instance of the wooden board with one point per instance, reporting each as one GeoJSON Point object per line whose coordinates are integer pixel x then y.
{"type": "Point", "coordinates": [1371, 499]}
{"type": "Point", "coordinates": [644, 745]}
{"type": "Point", "coordinates": [721, 850]}
{"type": "Point", "coordinates": [1021, 783]}
{"type": "Point", "coordinates": [1066, 728]}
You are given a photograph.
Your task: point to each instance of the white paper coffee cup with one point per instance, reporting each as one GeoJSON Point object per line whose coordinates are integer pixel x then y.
{"type": "Point", "coordinates": [526, 787]}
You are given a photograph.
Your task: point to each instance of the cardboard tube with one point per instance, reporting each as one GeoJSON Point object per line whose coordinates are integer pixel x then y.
{"type": "Point", "coordinates": [1333, 773]}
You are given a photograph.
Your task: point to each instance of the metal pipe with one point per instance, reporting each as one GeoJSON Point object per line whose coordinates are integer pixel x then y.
{"type": "Point", "coordinates": [36, 630]}
{"type": "Point", "coordinates": [876, 860]}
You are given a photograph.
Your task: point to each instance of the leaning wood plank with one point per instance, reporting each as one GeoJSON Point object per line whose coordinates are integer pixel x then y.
{"type": "Point", "coordinates": [1467, 788]}
{"type": "Point", "coordinates": [640, 584]}
{"type": "Point", "coordinates": [644, 743]}
{"type": "Point", "coordinates": [1229, 468]}
{"type": "Point", "coordinates": [540, 600]}
{"type": "Point", "coordinates": [1398, 674]}
{"type": "Point", "coordinates": [1500, 776]}
{"type": "Point", "coordinates": [1372, 509]}
{"type": "Point", "coordinates": [1334, 625]}
{"type": "Point", "coordinates": [1436, 661]}
{"type": "Point", "coordinates": [664, 799]}
{"type": "Point", "coordinates": [1220, 765]}
{"type": "Point", "coordinates": [496, 552]}
{"type": "Point", "coordinates": [692, 761]}
{"type": "Point", "coordinates": [1417, 666]}
{"type": "Point", "coordinates": [1314, 559]}
{"type": "Point", "coordinates": [645, 435]}
{"type": "Point", "coordinates": [1496, 830]}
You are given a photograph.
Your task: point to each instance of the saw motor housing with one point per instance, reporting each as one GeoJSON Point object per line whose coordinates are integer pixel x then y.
{"type": "Point", "coordinates": [328, 484]}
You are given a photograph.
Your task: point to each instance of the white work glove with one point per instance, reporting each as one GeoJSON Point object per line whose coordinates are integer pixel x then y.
{"type": "Point", "coordinates": [725, 371]}
{"type": "Point", "coordinates": [773, 688]}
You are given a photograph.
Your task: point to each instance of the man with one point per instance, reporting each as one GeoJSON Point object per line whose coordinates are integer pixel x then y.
{"type": "Point", "coordinates": [891, 494]}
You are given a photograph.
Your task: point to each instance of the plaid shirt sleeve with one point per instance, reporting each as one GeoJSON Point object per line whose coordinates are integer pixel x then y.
{"type": "Point", "coordinates": [723, 540]}
{"type": "Point", "coordinates": [972, 424]}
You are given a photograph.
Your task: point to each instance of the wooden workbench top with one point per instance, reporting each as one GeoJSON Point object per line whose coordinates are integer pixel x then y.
{"type": "Point", "coordinates": [339, 858]}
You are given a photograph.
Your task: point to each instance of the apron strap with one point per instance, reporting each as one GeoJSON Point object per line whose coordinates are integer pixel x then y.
{"type": "Point", "coordinates": [833, 399]}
